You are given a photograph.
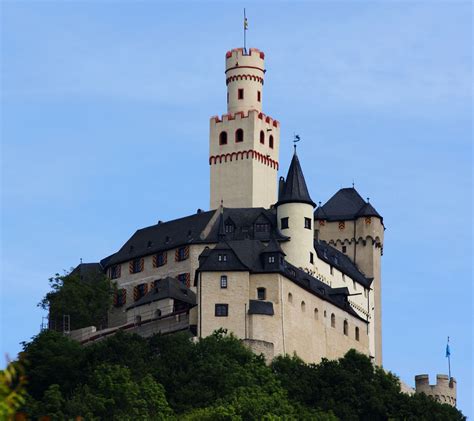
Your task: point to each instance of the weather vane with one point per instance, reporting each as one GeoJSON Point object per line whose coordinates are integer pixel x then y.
{"type": "Point", "coordinates": [296, 139]}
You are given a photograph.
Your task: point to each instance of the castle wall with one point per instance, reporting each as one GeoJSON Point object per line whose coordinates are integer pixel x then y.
{"type": "Point", "coordinates": [304, 329]}
{"type": "Point", "coordinates": [363, 242]}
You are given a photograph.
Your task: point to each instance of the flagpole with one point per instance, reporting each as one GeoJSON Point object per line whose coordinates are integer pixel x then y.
{"type": "Point", "coordinates": [449, 360]}
{"type": "Point", "coordinates": [245, 33]}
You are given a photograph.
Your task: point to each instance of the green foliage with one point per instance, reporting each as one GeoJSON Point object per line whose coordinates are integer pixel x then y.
{"type": "Point", "coordinates": [86, 300]}
{"type": "Point", "coordinates": [12, 389]}
{"type": "Point", "coordinates": [127, 377]}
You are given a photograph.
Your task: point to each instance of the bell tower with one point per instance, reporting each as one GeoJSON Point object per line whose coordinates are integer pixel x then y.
{"type": "Point", "coordinates": [244, 143]}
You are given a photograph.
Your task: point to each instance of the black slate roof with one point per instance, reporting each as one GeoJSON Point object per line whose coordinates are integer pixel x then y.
{"type": "Point", "coordinates": [245, 256]}
{"type": "Point", "coordinates": [261, 307]}
{"type": "Point", "coordinates": [346, 204]}
{"type": "Point", "coordinates": [167, 288]}
{"type": "Point", "coordinates": [203, 227]}
{"type": "Point", "coordinates": [88, 270]}
{"type": "Point", "coordinates": [294, 189]}
{"type": "Point", "coordinates": [341, 262]}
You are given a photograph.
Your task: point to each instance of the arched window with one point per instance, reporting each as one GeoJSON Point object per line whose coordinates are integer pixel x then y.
{"type": "Point", "coordinates": [333, 320]}
{"type": "Point", "coordinates": [346, 328]}
{"type": "Point", "coordinates": [316, 314]}
{"type": "Point", "coordinates": [223, 138]}
{"type": "Point", "coordinates": [261, 293]}
{"type": "Point", "coordinates": [239, 135]}
{"type": "Point", "coordinates": [290, 297]}
{"type": "Point", "coordinates": [270, 141]}
{"type": "Point", "coordinates": [262, 137]}
{"type": "Point", "coordinates": [325, 313]}
{"type": "Point", "coordinates": [357, 333]}
{"type": "Point", "coordinates": [303, 306]}
{"type": "Point", "coordinates": [158, 313]}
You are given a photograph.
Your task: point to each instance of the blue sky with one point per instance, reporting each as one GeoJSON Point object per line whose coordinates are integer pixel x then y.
{"type": "Point", "coordinates": [105, 116]}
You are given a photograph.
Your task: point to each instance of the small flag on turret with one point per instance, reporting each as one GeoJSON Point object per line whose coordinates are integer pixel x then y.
{"type": "Point", "coordinates": [246, 23]}
{"type": "Point", "coordinates": [448, 351]}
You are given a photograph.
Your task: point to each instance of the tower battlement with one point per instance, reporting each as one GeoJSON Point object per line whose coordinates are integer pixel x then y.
{"type": "Point", "coordinates": [241, 114]}
{"type": "Point", "coordinates": [443, 391]}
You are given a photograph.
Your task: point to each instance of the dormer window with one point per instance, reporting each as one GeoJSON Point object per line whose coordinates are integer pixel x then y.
{"type": "Point", "coordinates": [222, 257]}
{"type": "Point", "coordinates": [271, 259]}
{"type": "Point", "coordinates": [262, 227]}
{"type": "Point", "coordinates": [229, 228]}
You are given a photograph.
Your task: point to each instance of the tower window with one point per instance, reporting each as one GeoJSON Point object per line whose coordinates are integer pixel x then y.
{"type": "Point", "coordinates": [307, 223]}
{"type": "Point", "coordinates": [224, 281]}
{"type": "Point", "coordinates": [346, 328]}
{"type": "Point", "coordinates": [262, 137]}
{"type": "Point", "coordinates": [270, 141]}
{"type": "Point", "coordinates": [303, 306]}
{"type": "Point", "coordinates": [344, 249]}
{"type": "Point", "coordinates": [261, 293]}
{"type": "Point", "coordinates": [240, 93]}
{"type": "Point", "coordinates": [221, 310]}
{"type": "Point", "coordinates": [357, 333]}
{"type": "Point", "coordinates": [223, 138]}
{"type": "Point", "coordinates": [290, 297]}
{"type": "Point", "coordinates": [311, 257]}
{"type": "Point", "coordinates": [259, 96]}
{"type": "Point", "coordinates": [285, 223]}
{"type": "Point", "coordinates": [316, 314]}
{"type": "Point", "coordinates": [333, 320]}
{"type": "Point", "coordinates": [331, 270]}
{"type": "Point", "coordinates": [239, 135]}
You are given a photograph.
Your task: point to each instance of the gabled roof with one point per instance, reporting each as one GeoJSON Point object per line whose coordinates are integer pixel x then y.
{"type": "Point", "coordinates": [167, 288]}
{"type": "Point", "coordinates": [88, 271]}
{"type": "Point", "coordinates": [346, 204]}
{"type": "Point", "coordinates": [273, 247]}
{"type": "Point", "coordinates": [341, 262]}
{"type": "Point", "coordinates": [200, 228]}
{"type": "Point", "coordinates": [294, 188]}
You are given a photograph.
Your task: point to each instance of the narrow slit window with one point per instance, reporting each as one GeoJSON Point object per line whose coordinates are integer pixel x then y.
{"type": "Point", "coordinates": [262, 137]}
{"type": "Point", "coordinates": [240, 93]}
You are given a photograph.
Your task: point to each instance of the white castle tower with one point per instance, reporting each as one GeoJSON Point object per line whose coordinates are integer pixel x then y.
{"type": "Point", "coordinates": [244, 143]}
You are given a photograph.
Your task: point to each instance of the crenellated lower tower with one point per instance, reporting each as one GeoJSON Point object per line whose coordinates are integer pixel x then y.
{"type": "Point", "coordinates": [244, 143]}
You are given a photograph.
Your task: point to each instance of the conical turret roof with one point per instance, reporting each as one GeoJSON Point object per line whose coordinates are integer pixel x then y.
{"type": "Point", "coordinates": [294, 189]}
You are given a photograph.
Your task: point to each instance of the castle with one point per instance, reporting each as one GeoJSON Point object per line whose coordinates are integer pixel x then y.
{"type": "Point", "coordinates": [265, 263]}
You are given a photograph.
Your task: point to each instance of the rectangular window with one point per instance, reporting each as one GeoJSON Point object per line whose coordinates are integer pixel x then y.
{"type": "Point", "coordinates": [135, 265]}
{"type": "Point", "coordinates": [331, 269]}
{"type": "Point", "coordinates": [311, 257]}
{"type": "Point", "coordinates": [271, 259]}
{"type": "Point", "coordinates": [240, 94]}
{"type": "Point", "coordinates": [181, 253]}
{"type": "Point", "coordinates": [223, 281]}
{"type": "Point", "coordinates": [222, 257]}
{"type": "Point", "coordinates": [139, 291]}
{"type": "Point", "coordinates": [259, 96]}
{"type": "Point", "coordinates": [261, 294]}
{"type": "Point", "coordinates": [120, 297]}
{"type": "Point", "coordinates": [185, 279]}
{"type": "Point", "coordinates": [229, 228]}
{"type": "Point", "coordinates": [344, 249]}
{"type": "Point", "coordinates": [159, 259]}
{"type": "Point", "coordinates": [285, 223]}
{"type": "Point", "coordinates": [262, 227]}
{"type": "Point", "coordinates": [222, 310]}
{"type": "Point", "coordinates": [307, 223]}
{"type": "Point", "coordinates": [115, 272]}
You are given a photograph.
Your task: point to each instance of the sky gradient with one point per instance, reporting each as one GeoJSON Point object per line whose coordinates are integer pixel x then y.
{"type": "Point", "coordinates": [105, 112]}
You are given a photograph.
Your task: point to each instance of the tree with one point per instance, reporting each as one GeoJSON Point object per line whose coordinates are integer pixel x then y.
{"type": "Point", "coordinates": [12, 389]}
{"type": "Point", "coordinates": [86, 299]}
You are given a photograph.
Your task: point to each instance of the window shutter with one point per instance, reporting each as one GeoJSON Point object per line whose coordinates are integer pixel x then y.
{"type": "Point", "coordinates": [116, 299]}
{"type": "Point", "coordinates": [135, 293]}
{"type": "Point", "coordinates": [142, 264]}
{"type": "Point", "coordinates": [145, 289]}
{"type": "Point", "coordinates": [123, 297]}
{"type": "Point", "coordinates": [165, 257]}
{"type": "Point", "coordinates": [130, 266]}
{"type": "Point", "coordinates": [155, 260]}
{"type": "Point", "coordinates": [188, 280]}
{"type": "Point", "coordinates": [176, 255]}
{"type": "Point", "coordinates": [186, 252]}
{"type": "Point", "coordinates": [119, 271]}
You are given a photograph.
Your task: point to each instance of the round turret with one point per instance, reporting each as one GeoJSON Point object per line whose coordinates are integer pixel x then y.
{"type": "Point", "coordinates": [444, 391]}
{"type": "Point", "coordinates": [244, 79]}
